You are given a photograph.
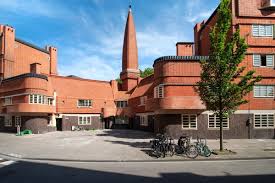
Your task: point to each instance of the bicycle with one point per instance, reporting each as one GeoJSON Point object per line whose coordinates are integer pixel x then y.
{"type": "Point", "coordinates": [203, 149]}
{"type": "Point", "coordinates": [187, 148]}
{"type": "Point", "coordinates": [162, 146]}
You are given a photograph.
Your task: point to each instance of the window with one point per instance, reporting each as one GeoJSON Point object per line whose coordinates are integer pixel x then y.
{"type": "Point", "coordinates": [214, 121]}
{"type": "Point", "coordinates": [84, 103]}
{"type": "Point", "coordinates": [8, 101]}
{"type": "Point", "coordinates": [264, 120]}
{"type": "Point", "coordinates": [143, 120]}
{"type": "Point", "coordinates": [159, 91]}
{"type": "Point", "coordinates": [8, 121]}
{"type": "Point", "coordinates": [263, 91]}
{"type": "Point", "coordinates": [39, 99]}
{"type": "Point", "coordinates": [189, 121]}
{"type": "Point", "coordinates": [17, 120]}
{"type": "Point", "coordinates": [143, 100]}
{"type": "Point", "coordinates": [262, 30]}
{"type": "Point", "coordinates": [263, 60]}
{"type": "Point", "coordinates": [121, 104]}
{"type": "Point", "coordinates": [84, 120]}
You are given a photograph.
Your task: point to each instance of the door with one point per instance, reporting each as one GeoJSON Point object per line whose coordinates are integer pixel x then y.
{"type": "Point", "coordinates": [59, 124]}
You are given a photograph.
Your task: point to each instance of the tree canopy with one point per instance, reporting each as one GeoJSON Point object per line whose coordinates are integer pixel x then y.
{"type": "Point", "coordinates": [146, 72]}
{"type": "Point", "coordinates": [224, 83]}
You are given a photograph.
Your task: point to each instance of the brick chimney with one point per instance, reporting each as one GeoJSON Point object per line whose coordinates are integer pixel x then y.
{"type": "Point", "coordinates": [185, 48]}
{"type": "Point", "coordinates": [7, 41]}
{"type": "Point", "coordinates": [35, 68]}
{"type": "Point", "coordinates": [53, 59]}
{"type": "Point", "coordinates": [197, 38]}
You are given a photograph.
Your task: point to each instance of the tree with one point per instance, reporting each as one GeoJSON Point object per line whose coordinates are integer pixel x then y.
{"type": "Point", "coordinates": [223, 83]}
{"type": "Point", "coordinates": [147, 72]}
{"type": "Point", "coordinates": [119, 81]}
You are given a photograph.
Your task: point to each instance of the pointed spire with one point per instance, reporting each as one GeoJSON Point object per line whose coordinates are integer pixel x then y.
{"type": "Point", "coordinates": [130, 71]}
{"type": "Point", "coordinates": [130, 52]}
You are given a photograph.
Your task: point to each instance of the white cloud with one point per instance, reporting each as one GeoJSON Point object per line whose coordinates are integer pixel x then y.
{"type": "Point", "coordinates": [33, 7]}
{"type": "Point", "coordinates": [90, 67]}
{"type": "Point", "coordinates": [197, 17]}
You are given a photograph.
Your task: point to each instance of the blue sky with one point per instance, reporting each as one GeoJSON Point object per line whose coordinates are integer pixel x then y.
{"type": "Point", "coordinates": [89, 33]}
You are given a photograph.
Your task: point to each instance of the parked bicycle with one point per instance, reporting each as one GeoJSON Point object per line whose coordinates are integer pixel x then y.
{"type": "Point", "coordinates": [202, 147]}
{"type": "Point", "coordinates": [185, 147]}
{"type": "Point", "coordinates": [163, 145]}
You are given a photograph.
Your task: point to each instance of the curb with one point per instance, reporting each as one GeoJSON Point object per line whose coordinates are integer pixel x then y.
{"type": "Point", "coordinates": [137, 161]}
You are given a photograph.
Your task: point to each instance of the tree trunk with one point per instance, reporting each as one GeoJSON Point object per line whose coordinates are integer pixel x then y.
{"type": "Point", "coordinates": [221, 131]}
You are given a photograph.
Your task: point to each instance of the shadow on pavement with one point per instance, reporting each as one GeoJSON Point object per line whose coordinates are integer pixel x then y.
{"type": "Point", "coordinates": [44, 173]}
{"type": "Point", "coordinates": [129, 134]}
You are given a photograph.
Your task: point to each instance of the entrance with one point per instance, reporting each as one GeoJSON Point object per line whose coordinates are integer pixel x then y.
{"type": "Point", "coordinates": [59, 124]}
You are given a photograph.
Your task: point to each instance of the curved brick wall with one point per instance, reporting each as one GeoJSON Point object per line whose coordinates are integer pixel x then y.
{"type": "Point", "coordinates": [37, 124]}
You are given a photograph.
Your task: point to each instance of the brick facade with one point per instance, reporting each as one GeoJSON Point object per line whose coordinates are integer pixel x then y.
{"type": "Point", "coordinates": [29, 73]}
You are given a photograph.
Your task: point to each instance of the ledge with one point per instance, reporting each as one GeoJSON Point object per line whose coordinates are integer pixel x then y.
{"type": "Point", "coordinates": [27, 75]}
{"type": "Point", "coordinates": [181, 58]}
{"type": "Point", "coordinates": [31, 45]}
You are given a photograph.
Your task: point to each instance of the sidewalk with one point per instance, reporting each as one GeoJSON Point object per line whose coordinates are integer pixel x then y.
{"type": "Point", "coordinates": [115, 145]}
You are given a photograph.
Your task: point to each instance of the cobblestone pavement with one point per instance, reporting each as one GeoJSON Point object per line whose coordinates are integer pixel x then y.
{"type": "Point", "coordinates": [115, 145]}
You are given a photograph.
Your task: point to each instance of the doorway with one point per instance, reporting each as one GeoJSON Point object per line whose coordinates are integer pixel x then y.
{"type": "Point", "coordinates": [59, 124]}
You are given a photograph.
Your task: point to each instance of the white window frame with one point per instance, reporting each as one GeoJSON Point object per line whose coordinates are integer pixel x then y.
{"type": "Point", "coordinates": [8, 101]}
{"type": "Point", "coordinates": [8, 121]}
{"type": "Point", "coordinates": [255, 64]}
{"type": "Point", "coordinates": [159, 91]}
{"type": "Point", "coordinates": [189, 121]}
{"type": "Point", "coordinates": [84, 120]}
{"type": "Point", "coordinates": [262, 89]}
{"type": "Point", "coordinates": [87, 103]}
{"type": "Point", "coordinates": [216, 124]}
{"type": "Point", "coordinates": [121, 103]}
{"type": "Point", "coordinates": [143, 120]}
{"type": "Point", "coordinates": [263, 27]}
{"type": "Point", "coordinates": [261, 124]}
{"type": "Point", "coordinates": [17, 121]}
{"type": "Point", "coordinates": [39, 99]}
{"type": "Point", "coordinates": [143, 100]}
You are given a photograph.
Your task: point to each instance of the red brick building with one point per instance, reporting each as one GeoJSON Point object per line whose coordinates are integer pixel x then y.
{"type": "Point", "coordinates": [35, 97]}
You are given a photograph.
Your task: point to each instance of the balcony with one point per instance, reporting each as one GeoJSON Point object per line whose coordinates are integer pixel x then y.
{"type": "Point", "coordinates": [29, 81]}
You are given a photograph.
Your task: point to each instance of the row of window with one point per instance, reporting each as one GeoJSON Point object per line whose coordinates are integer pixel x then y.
{"type": "Point", "coordinates": [8, 121]}
{"type": "Point", "coordinates": [189, 121]}
{"type": "Point", "coordinates": [262, 30]}
{"type": "Point", "coordinates": [84, 103]}
{"type": "Point", "coordinates": [259, 91]}
{"type": "Point", "coordinates": [121, 104]}
{"type": "Point", "coordinates": [40, 99]}
{"type": "Point", "coordinates": [263, 60]}
{"type": "Point", "coordinates": [84, 120]}
{"type": "Point", "coordinates": [143, 100]}
{"type": "Point", "coordinates": [143, 120]}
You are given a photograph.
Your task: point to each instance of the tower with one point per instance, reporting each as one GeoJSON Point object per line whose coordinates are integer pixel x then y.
{"type": "Point", "coordinates": [130, 72]}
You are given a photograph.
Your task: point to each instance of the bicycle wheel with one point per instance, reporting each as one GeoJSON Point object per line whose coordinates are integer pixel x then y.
{"type": "Point", "coordinates": [171, 150]}
{"type": "Point", "coordinates": [156, 151]}
{"type": "Point", "coordinates": [192, 152]}
{"type": "Point", "coordinates": [206, 151]}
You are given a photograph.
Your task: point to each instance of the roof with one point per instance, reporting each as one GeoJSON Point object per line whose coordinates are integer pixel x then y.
{"type": "Point", "coordinates": [144, 87]}
{"type": "Point", "coordinates": [122, 95]}
{"type": "Point", "coordinates": [28, 75]}
{"type": "Point", "coordinates": [184, 43]}
{"type": "Point", "coordinates": [81, 88]}
{"type": "Point", "coordinates": [32, 45]}
{"type": "Point", "coordinates": [181, 58]}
